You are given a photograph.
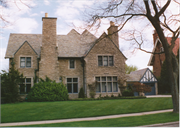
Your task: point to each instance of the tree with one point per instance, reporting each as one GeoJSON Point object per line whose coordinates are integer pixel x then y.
{"type": "Point", "coordinates": [130, 68]}
{"type": "Point", "coordinates": [141, 88]}
{"type": "Point", "coordinates": [4, 4]}
{"type": "Point", "coordinates": [155, 12]}
{"type": "Point", "coordinates": [9, 85]}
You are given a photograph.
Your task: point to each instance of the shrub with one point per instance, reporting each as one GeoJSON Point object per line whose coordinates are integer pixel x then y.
{"type": "Point", "coordinates": [48, 91]}
{"type": "Point", "coordinates": [127, 93]}
{"type": "Point", "coordinates": [112, 95]}
{"type": "Point", "coordinates": [9, 85]}
{"type": "Point", "coordinates": [81, 93]}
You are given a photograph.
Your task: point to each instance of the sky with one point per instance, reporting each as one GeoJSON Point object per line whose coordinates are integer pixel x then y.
{"type": "Point", "coordinates": [28, 20]}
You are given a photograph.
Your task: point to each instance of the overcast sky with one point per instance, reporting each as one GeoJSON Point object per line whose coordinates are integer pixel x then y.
{"type": "Point", "coordinates": [69, 14]}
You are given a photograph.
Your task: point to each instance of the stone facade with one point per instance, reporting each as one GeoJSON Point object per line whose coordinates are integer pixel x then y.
{"type": "Point", "coordinates": [65, 72]}
{"type": "Point", "coordinates": [51, 54]}
{"type": "Point", "coordinates": [104, 47]}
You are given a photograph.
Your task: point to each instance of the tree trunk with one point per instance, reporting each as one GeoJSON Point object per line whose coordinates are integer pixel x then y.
{"type": "Point", "coordinates": [172, 64]}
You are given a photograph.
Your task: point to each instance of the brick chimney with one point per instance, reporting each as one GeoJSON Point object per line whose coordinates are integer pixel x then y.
{"type": "Point", "coordinates": [155, 36]}
{"type": "Point", "coordinates": [49, 56]}
{"type": "Point", "coordinates": [113, 34]}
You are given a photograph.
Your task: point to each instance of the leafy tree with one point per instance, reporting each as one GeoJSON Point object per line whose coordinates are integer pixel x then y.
{"type": "Point", "coordinates": [140, 87]}
{"type": "Point", "coordinates": [157, 14]}
{"type": "Point", "coordinates": [9, 85]}
{"type": "Point", "coordinates": [130, 68]}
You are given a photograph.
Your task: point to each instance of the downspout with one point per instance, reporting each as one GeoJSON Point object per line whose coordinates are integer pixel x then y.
{"type": "Point", "coordinates": [36, 70]}
{"type": "Point", "coordinates": [82, 64]}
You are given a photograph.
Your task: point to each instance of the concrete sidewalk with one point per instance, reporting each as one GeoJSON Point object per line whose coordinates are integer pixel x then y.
{"type": "Point", "coordinates": [84, 119]}
{"type": "Point", "coordinates": [153, 96]}
{"type": "Point", "coordinates": [169, 124]}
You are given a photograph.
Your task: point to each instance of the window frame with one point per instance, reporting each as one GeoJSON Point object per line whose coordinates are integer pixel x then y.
{"type": "Point", "coordinates": [26, 62]}
{"type": "Point", "coordinates": [102, 62]}
{"type": "Point", "coordinates": [70, 64]}
{"type": "Point", "coordinates": [106, 81]}
{"type": "Point", "coordinates": [25, 83]}
{"type": "Point", "coordinates": [72, 84]}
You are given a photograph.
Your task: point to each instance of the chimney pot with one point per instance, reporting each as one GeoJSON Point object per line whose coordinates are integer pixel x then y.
{"type": "Point", "coordinates": [112, 23]}
{"type": "Point", "coordinates": [46, 14]}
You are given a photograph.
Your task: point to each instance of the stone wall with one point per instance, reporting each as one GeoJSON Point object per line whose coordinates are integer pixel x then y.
{"type": "Point", "coordinates": [104, 47]}
{"type": "Point", "coordinates": [65, 72]}
{"type": "Point", "coordinates": [48, 65]}
{"type": "Point", "coordinates": [26, 51]}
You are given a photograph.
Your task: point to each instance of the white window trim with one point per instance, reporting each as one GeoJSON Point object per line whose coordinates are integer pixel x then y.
{"type": "Point", "coordinates": [25, 61]}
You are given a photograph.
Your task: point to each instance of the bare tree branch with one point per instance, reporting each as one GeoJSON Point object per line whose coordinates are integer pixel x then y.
{"type": "Point", "coordinates": [163, 9]}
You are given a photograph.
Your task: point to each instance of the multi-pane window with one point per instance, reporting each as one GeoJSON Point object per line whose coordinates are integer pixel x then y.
{"type": "Point", "coordinates": [71, 63]}
{"type": "Point", "coordinates": [105, 61]}
{"type": "Point", "coordinates": [25, 62]}
{"type": "Point", "coordinates": [107, 84]}
{"type": "Point", "coordinates": [72, 85]}
{"type": "Point", "coordinates": [25, 87]}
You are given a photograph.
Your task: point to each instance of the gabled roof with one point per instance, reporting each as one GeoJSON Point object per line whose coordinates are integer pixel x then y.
{"type": "Point", "coordinates": [136, 75]}
{"type": "Point", "coordinates": [175, 49]}
{"type": "Point", "coordinates": [16, 40]}
{"type": "Point", "coordinates": [143, 76]}
{"type": "Point", "coordinates": [71, 45]}
{"type": "Point", "coordinates": [104, 35]}
{"type": "Point", "coordinates": [29, 46]}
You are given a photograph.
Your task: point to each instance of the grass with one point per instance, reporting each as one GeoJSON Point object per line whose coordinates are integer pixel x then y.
{"type": "Point", "coordinates": [37, 111]}
{"type": "Point", "coordinates": [119, 122]}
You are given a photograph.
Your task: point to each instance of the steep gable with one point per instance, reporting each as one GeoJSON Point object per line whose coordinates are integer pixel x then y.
{"type": "Point", "coordinates": [175, 49]}
{"type": "Point", "coordinates": [105, 38]}
{"type": "Point", "coordinates": [17, 40]}
{"type": "Point", "coordinates": [25, 44]}
{"type": "Point", "coordinates": [74, 44]}
{"type": "Point", "coordinates": [142, 75]}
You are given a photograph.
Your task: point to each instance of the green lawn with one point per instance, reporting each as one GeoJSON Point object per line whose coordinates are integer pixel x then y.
{"type": "Point", "coordinates": [119, 122]}
{"type": "Point", "coordinates": [36, 111]}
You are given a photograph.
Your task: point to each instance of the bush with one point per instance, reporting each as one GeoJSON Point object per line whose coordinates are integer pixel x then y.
{"type": "Point", "coordinates": [48, 91]}
{"type": "Point", "coordinates": [81, 93]}
{"type": "Point", "coordinates": [127, 93]}
{"type": "Point", "coordinates": [9, 85]}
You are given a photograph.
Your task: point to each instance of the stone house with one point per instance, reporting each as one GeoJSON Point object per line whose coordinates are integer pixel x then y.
{"type": "Point", "coordinates": [157, 60]}
{"type": "Point", "coordinates": [77, 60]}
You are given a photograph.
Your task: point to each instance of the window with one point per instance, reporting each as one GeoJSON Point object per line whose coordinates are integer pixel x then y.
{"type": "Point", "coordinates": [71, 64]}
{"type": "Point", "coordinates": [25, 62]}
{"type": "Point", "coordinates": [26, 86]}
{"type": "Point", "coordinates": [105, 61]}
{"type": "Point", "coordinates": [100, 61]}
{"type": "Point", "coordinates": [72, 85]}
{"type": "Point", "coordinates": [107, 84]}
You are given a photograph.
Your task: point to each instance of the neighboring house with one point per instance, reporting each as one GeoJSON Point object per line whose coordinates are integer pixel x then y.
{"type": "Point", "coordinates": [156, 60]}
{"type": "Point", "coordinates": [144, 76]}
{"type": "Point", "coordinates": [75, 59]}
